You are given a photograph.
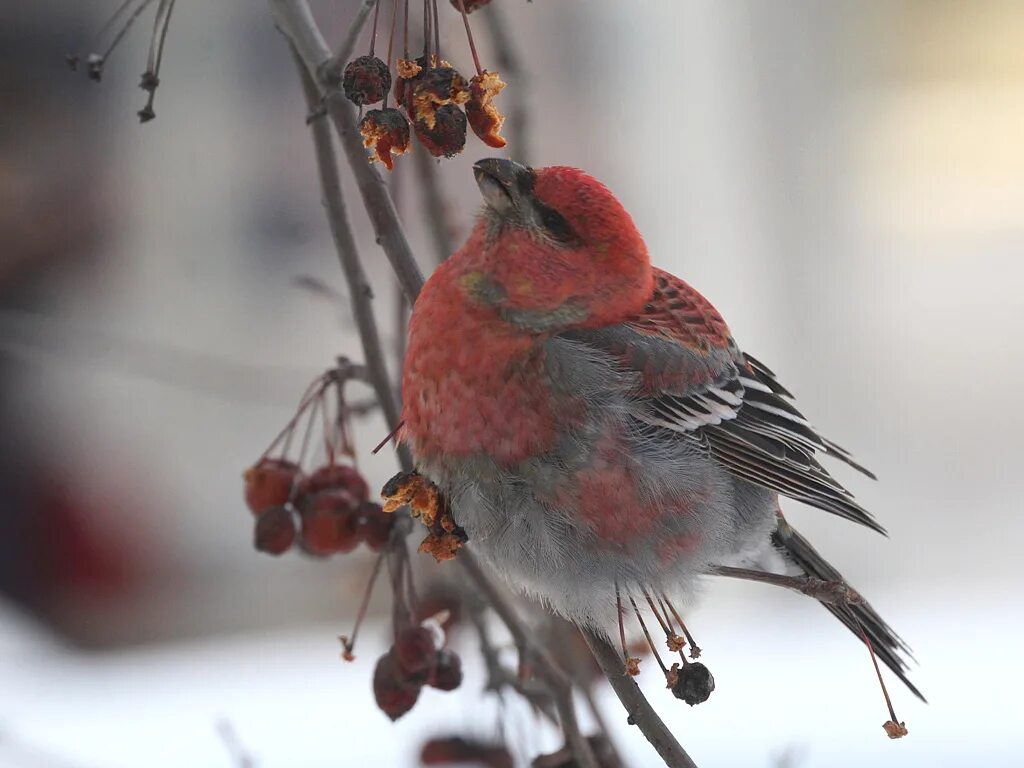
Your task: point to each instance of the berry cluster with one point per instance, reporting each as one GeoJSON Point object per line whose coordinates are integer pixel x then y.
{"type": "Point", "coordinates": [328, 510]}
{"type": "Point", "coordinates": [416, 659]}
{"type": "Point", "coordinates": [438, 102]}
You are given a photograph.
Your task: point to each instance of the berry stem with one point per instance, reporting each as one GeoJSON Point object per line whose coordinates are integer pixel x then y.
{"type": "Point", "coordinates": [405, 32]}
{"type": "Point", "coordinates": [127, 25]}
{"type": "Point", "coordinates": [349, 643]}
{"type": "Point", "coordinates": [647, 634]}
{"type": "Point", "coordinates": [878, 672]}
{"type": "Point", "coordinates": [391, 43]}
{"type": "Point", "coordinates": [373, 33]}
{"type": "Point", "coordinates": [469, 36]}
{"type": "Point", "coordinates": [437, 32]}
{"type": "Point", "coordinates": [622, 628]}
{"type": "Point", "coordinates": [694, 648]}
{"type": "Point", "coordinates": [285, 433]}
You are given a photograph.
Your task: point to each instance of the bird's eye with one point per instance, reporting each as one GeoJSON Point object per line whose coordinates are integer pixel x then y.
{"type": "Point", "coordinates": [555, 225]}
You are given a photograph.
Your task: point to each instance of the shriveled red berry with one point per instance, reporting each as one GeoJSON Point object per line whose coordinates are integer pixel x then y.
{"type": "Point", "coordinates": [329, 522]}
{"type": "Point", "coordinates": [375, 525]}
{"type": "Point", "coordinates": [269, 482]}
{"type": "Point", "coordinates": [447, 674]}
{"type": "Point", "coordinates": [471, 5]}
{"type": "Point", "coordinates": [275, 531]}
{"type": "Point", "coordinates": [386, 132]}
{"type": "Point", "coordinates": [337, 477]}
{"type": "Point", "coordinates": [447, 137]}
{"type": "Point", "coordinates": [366, 80]}
{"type": "Point", "coordinates": [414, 650]}
{"type": "Point", "coordinates": [484, 118]}
{"type": "Point", "coordinates": [394, 694]}
{"type": "Point", "coordinates": [455, 750]}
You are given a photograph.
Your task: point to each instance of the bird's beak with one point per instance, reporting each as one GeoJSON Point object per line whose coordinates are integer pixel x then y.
{"type": "Point", "coordinates": [503, 184]}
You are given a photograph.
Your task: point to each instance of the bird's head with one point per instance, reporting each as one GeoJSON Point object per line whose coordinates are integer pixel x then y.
{"type": "Point", "coordinates": [554, 249]}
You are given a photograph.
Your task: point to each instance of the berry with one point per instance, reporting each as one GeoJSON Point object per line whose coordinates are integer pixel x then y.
{"type": "Point", "coordinates": [447, 675]}
{"type": "Point", "coordinates": [269, 483]}
{"type": "Point", "coordinates": [366, 80]}
{"type": "Point", "coordinates": [337, 476]}
{"type": "Point", "coordinates": [375, 525]}
{"type": "Point", "coordinates": [484, 118]}
{"type": "Point", "coordinates": [694, 683]}
{"type": "Point", "coordinates": [386, 132]}
{"type": "Point", "coordinates": [415, 651]}
{"type": "Point", "coordinates": [394, 694]}
{"type": "Point", "coordinates": [329, 523]}
{"type": "Point", "coordinates": [447, 136]}
{"type": "Point", "coordinates": [275, 531]}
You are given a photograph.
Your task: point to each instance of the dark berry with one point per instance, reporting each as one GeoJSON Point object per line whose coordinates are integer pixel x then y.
{"type": "Point", "coordinates": [394, 694]}
{"type": "Point", "coordinates": [694, 683]}
{"type": "Point", "coordinates": [366, 80]}
{"type": "Point", "coordinates": [375, 525]}
{"type": "Point", "coordinates": [447, 675]}
{"type": "Point", "coordinates": [275, 531]}
{"type": "Point", "coordinates": [447, 136]}
{"type": "Point", "coordinates": [269, 483]}
{"type": "Point", "coordinates": [414, 650]}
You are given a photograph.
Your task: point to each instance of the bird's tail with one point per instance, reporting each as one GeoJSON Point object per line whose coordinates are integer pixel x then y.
{"type": "Point", "coordinates": [859, 618]}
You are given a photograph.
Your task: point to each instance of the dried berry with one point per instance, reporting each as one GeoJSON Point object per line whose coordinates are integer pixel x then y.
{"type": "Point", "coordinates": [386, 132]}
{"type": "Point", "coordinates": [455, 750]}
{"type": "Point", "coordinates": [694, 683]}
{"type": "Point", "coordinates": [366, 80]}
{"type": "Point", "coordinates": [408, 71]}
{"type": "Point", "coordinates": [329, 523]}
{"type": "Point", "coordinates": [337, 476]}
{"type": "Point", "coordinates": [895, 730]}
{"type": "Point", "coordinates": [448, 135]}
{"type": "Point", "coordinates": [394, 694]}
{"type": "Point", "coordinates": [275, 531]}
{"type": "Point", "coordinates": [415, 651]}
{"type": "Point", "coordinates": [433, 88]}
{"type": "Point", "coordinates": [471, 5]}
{"type": "Point", "coordinates": [484, 117]}
{"type": "Point", "coordinates": [269, 483]}
{"type": "Point", "coordinates": [375, 525]}
{"type": "Point", "coordinates": [447, 674]}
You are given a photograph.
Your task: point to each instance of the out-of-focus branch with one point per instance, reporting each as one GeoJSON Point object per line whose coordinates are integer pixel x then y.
{"type": "Point", "coordinates": [435, 212]}
{"type": "Point", "coordinates": [296, 21]}
{"type": "Point", "coordinates": [640, 711]}
{"type": "Point", "coordinates": [345, 245]}
{"type": "Point", "coordinates": [509, 63]}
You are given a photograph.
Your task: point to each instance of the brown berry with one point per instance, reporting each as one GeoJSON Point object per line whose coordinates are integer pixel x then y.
{"type": "Point", "coordinates": [394, 694]}
{"type": "Point", "coordinates": [337, 477]}
{"type": "Point", "coordinates": [414, 650]}
{"type": "Point", "coordinates": [375, 525]}
{"type": "Point", "coordinates": [447, 674]}
{"type": "Point", "coordinates": [386, 132]}
{"type": "Point", "coordinates": [447, 136]}
{"type": "Point", "coordinates": [694, 683]}
{"type": "Point", "coordinates": [366, 80]}
{"type": "Point", "coordinates": [269, 483]}
{"type": "Point", "coordinates": [275, 531]}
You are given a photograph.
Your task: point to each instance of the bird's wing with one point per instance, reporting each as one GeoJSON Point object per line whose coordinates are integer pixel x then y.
{"type": "Point", "coordinates": [696, 382]}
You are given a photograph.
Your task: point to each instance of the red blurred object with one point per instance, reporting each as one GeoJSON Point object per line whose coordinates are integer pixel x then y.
{"type": "Point", "coordinates": [269, 483]}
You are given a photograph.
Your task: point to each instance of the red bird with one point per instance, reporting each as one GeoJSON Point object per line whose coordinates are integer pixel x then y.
{"type": "Point", "coordinates": [594, 424]}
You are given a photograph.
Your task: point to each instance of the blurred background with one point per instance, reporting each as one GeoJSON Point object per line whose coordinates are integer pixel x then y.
{"type": "Point", "coordinates": [844, 180]}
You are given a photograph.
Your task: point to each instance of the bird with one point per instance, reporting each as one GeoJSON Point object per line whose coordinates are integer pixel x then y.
{"type": "Point", "coordinates": [593, 424]}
